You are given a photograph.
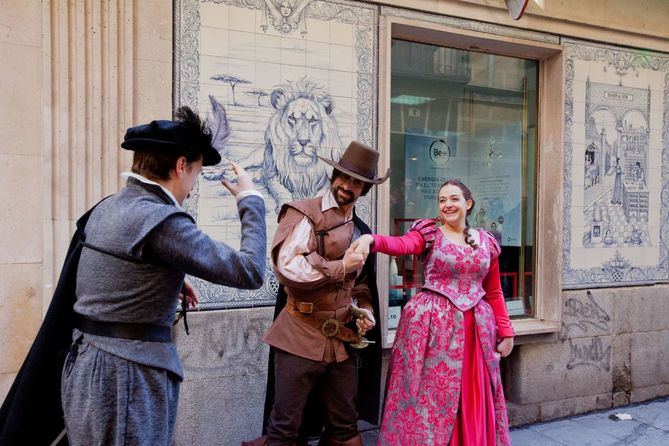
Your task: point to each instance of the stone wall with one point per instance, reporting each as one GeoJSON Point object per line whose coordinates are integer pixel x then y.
{"type": "Point", "coordinates": [225, 366]}
{"type": "Point", "coordinates": [21, 182]}
{"type": "Point", "coordinates": [613, 350]}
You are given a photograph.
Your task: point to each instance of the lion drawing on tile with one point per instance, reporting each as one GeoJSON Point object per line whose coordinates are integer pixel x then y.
{"type": "Point", "coordinates": [301, 128]}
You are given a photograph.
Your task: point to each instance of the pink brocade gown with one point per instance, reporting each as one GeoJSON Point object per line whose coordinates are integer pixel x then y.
{"type": "Point", "coordinates": [444, 381]}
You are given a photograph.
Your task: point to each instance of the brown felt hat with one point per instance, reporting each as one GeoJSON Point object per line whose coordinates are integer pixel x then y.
{"type": "Point", "coordinates": [359, 161]}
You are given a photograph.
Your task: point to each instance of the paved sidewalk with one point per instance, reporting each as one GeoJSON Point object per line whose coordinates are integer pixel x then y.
{"type": "Point", "coordinates": [649, 426]}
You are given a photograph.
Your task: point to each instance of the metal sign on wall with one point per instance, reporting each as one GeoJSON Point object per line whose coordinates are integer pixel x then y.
{"type": "Point", "coordinates": [516, 8]}
{"type": "Point", "coordinates": [247, 66]}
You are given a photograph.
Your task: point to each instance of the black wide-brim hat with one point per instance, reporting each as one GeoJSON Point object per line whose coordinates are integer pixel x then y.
{"type": "Point", "coordinates": [360, 162]}
{"type": "Point", "coordinates": [173, 136]}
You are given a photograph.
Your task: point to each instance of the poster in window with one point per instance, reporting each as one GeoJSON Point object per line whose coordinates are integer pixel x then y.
{"type": "Point", "coordinates": [489, 164]}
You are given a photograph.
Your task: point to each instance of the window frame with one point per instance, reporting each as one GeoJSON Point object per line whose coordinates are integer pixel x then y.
{"type": "Point", "coordinates": [548, 217]}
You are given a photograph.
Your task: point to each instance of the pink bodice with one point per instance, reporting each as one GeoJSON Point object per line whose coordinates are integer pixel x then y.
{"type": "Point", "coordinates": [460, 273]}
{"type": "Point", "coordinates": [457, 271]}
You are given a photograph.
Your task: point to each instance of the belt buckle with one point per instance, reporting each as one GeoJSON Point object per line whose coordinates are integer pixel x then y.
{"type": "Point", "coordinates": [330, 328]}
{"type": "Point", "coordinates": [305, 307]}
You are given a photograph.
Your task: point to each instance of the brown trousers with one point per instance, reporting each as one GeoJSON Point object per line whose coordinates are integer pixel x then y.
{"type": "Point", "coordinates": [336, 386]}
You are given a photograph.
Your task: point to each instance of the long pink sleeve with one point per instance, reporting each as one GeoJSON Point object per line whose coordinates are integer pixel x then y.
{"type": "Point", "coordinates": [410, 243]}
{"type": "Point", "coordinates": [494, 296]}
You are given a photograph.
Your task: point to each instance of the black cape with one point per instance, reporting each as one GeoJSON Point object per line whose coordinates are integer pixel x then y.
{"type": "Point", "coordinates": [32, 413]}
{"type": "Point", "coordinates": [369, 374]}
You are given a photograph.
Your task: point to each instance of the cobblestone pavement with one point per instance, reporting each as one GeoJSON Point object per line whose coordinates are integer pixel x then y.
{"type": "Point", "coordinates": [649, 425]}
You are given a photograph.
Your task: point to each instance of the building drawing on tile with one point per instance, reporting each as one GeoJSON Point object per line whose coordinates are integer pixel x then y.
{"type": "Point", "coordinates": [280, 81]}
{"type": "Point", "coordinates": [615, 193]}
{"type": "Point", "coordinates": [616, 166]}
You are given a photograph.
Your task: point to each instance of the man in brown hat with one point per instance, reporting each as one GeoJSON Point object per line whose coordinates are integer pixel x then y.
{"type": "Point", "coordinates": [322, 279]}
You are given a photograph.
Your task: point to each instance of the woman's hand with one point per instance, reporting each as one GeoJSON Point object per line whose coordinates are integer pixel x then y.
{"type": "Point", "coordinates": [505, 346]}
{"type": "Point", "coordinates": [362, 244]}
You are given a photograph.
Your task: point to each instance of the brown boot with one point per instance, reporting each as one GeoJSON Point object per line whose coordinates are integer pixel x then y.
{"type": "Point", "coordinates": [327, 441]}
{"type": "Point", "coordinates": [260, 441]}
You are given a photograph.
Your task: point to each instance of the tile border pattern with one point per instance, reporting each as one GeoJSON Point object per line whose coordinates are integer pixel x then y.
{"type": "Point", "coordinates": [186, 87]}
{"type": "Point", "coordinates": [617, 270]}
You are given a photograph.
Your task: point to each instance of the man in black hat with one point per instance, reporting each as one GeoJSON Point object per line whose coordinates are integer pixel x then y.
{"type": "Point", "coordinates": [120, 382]}
{"type": "Point", "coordinates": [314, 332]}
{"type": "Point", "coordinates": [121, 379]}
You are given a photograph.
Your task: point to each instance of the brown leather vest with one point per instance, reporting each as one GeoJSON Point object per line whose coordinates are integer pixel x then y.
{"type": "Point", "coordinates": [330, 238]}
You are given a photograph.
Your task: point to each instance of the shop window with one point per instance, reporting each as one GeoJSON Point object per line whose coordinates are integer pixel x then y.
{"type": "Point", "coordinates": [473, 116]}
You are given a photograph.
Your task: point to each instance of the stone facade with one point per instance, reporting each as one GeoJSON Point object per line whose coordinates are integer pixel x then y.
{"type": "Point", "coordinates": [82, 73]}
{"type": "Point", "coordinates": [225, 367]}
{"type": "Point", "coordinates": [612, 350]}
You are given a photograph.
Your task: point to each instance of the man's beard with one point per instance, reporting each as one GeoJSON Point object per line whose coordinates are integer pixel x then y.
{"type": "Point", "coordinates": [343, 201]}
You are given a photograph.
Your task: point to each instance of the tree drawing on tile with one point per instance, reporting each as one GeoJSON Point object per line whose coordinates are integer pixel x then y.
{"type": "Point", "coordinates": [233, 81]}
{"type": "Point", "coordinates": [616, 197]}
{"type": "Point", "coordinates": [259, 93]}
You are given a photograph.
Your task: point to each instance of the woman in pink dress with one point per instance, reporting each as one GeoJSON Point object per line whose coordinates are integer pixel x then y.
{"type": "Point", "coordinates": [444, 385]}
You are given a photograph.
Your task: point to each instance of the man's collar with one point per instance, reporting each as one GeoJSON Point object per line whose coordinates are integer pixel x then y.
{"type": "Point", "coordinates": [145, 180]}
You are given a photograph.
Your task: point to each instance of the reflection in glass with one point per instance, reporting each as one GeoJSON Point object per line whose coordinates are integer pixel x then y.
{"type": "Point", "coordinates": [472, 116]}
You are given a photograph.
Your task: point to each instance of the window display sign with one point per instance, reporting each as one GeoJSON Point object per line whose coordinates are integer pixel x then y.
{"type": "Point", "coordinates": [494, 179]}
{"type": "Point", "coordinates": [429, 163]}
{"type": "Point", "coordinates": [486, 164]}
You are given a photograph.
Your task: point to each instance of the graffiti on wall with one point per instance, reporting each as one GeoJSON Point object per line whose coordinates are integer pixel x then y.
{"type": "Point", "coordinates": [589, 352]}
{"type": "Point", "coordinates": [583, 316]}
{"type": "Point", "coordinates": [585, 324]}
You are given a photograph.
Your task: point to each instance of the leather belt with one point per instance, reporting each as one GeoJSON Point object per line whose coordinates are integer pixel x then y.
{"type": "Point", "coordinates": [330, 328]}
{"type": "Point", "coordinates": [124, 330]}
{"type": "Point", "coordinates": [307, 307]}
